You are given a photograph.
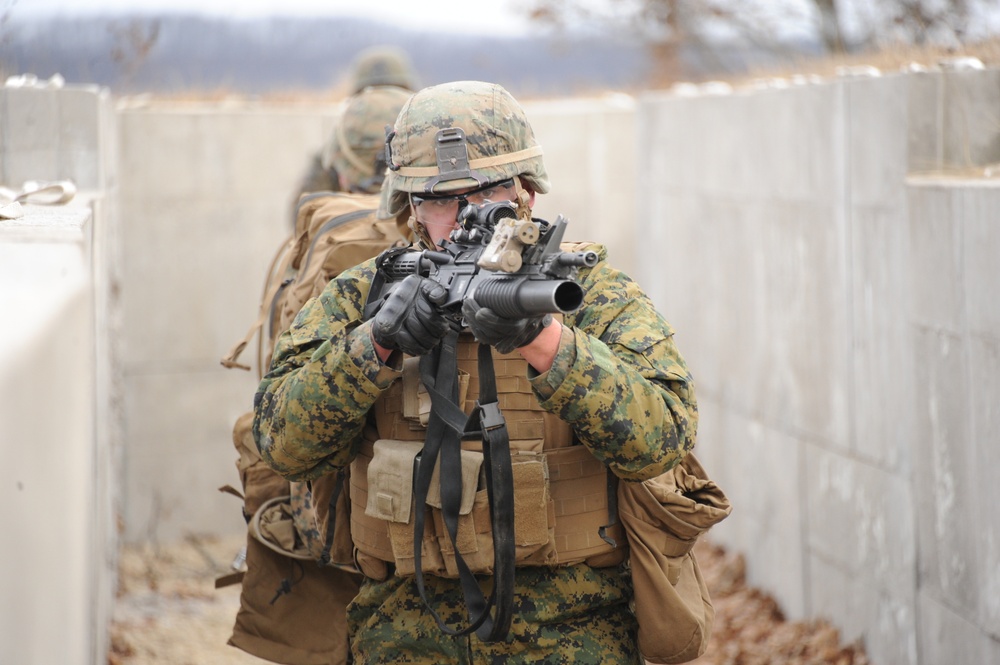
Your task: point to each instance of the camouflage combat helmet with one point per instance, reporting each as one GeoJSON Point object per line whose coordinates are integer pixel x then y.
{"type": "Point", "coordinates": [357, 148]}
{"type": "Point", "coordinates": [455, 136]}
{"type": "Point", "coordinates": [382, 65]}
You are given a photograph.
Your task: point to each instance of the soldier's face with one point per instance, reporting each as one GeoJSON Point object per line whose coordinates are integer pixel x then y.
{"type": "Point", "coordinates": [439, 213]}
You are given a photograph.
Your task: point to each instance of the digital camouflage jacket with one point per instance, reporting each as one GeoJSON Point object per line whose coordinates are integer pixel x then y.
{"type": "Point", "coordinates": [618, 379]}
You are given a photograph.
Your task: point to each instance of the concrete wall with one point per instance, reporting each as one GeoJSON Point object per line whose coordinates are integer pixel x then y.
{"type": "Point", "coordinates": [60, 421]}
{"type": "Point", "coordinates": [838, 311]}
{"type": "Point", "coordinates": [206, 199]}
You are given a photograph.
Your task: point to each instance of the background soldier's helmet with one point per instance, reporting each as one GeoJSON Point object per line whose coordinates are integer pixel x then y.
{"type": "Point", "coordinates": [383, 65]}
{"type": "Point", "coordinates": [357, 148]}
{"type": "Point", "coordinates": [455, 136]}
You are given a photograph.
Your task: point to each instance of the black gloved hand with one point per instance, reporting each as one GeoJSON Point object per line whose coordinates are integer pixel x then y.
{"type": "Point", "coordinates": [410, 320]}
{"type": "Point", "coordinates": [503, 334]}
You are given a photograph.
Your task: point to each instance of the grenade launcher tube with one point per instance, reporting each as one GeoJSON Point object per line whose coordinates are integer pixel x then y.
{"type": "Point", "coordinates": [514, 295]}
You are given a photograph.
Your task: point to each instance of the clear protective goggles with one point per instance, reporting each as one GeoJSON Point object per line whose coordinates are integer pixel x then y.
{"type": "Point", "coordinates": [444, 208]}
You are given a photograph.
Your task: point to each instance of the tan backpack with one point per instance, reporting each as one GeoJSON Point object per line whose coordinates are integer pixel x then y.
{"type": "Point", "coordinates": [292, 606]}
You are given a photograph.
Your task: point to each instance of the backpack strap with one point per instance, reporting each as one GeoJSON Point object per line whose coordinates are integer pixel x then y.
{"type": "Point", "coordinates": [284, 255]}
{"type": "Point", "coordinates": [287, 254]}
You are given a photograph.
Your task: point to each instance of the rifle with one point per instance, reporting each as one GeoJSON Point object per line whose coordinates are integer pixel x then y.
{"type": "Point", "coordinates": [513, 266]}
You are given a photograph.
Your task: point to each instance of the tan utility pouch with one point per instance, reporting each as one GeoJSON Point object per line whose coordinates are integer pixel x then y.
{"type": "Point", "coordinates": [664, 517]}
{"type": "Point", "coordinates": [384, 530]}
{"type": "Point", "coordinates": [389, 501]}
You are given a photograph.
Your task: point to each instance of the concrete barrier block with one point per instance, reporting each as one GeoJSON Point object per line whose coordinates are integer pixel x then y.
{"type": "Point", "coordinates": [884, 620]}
{"type": "Point", "coordinates": [47, 484]}
{"type": "Point", "coordinates": [194, 273]}
{"type": "Point", "coordinates": [722, 150]}
{"type": "Point", "coordinates": [31, 127]}
{"type": "Point", "coordinates": [181, 451]}
{"type": "Point", "coordinates": [845, 496]}
{"type": "Point", "coordinates": [971, 118]}
{"type": "Point", "coordinates": [924, 122]}
{"type": "Point", "coordinates": [979, 202]}
{"type": "Point", "coordinates": [945, 636]}
{"type": "Point", "coordinates": [802, 380]}
{"type": "Point", "coordinates": [675, 141]}
{"type": "Point", "coordinates": [802, 131]}
{"type": "Point", "coordinates": [4, 133]}
{"type": "Point", "coordinates": [936, 296]}
{"type": "Point", "coordinates": [984, 376]}
{"type": "Point", "coordinates": [877, 140]}
{"type": "Point", "coordinates": [882, 393]}
{"type": "Point", "coordinates": [227, 155]}
{"type": "Point", "coordinates": [672, 257]}
{"type": "Point", "coordinates": [767, 507]}
{"type": "Point", "coordinates": [947, 499]}
{"type": "Point", "coordinates": [736, 310]}
{"type": "Point", "coordinates": [81, 140]}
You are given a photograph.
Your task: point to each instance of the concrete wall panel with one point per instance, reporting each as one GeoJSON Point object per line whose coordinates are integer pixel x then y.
{"type": "Point", "coordinates": [173, 469]}
{"type": "Point", "coordinates": [984, 379]}
{"type": "Point", "coordinates": [83, 137]}
{"type": "Point", "coordinates": [946, 637]}
{"type": "Point", "coordinates": [187, 305]}
{"type": "Point", "coordinates": [884, 620]}
{"type": "Point", "coordinates": [970, 118]}
{"type": "Point", "coordinates": [766, 494]}
{"type": "Point", "coordinates": [936, 256]}
{"type": "Point", "coordinates": [676, 143]}
{"type": "Point", "coordinates": [924, 119]}
{"type": "Point", "coordinates": [48, 490]}
{"type": "Point", "coordinates": [30, 125]}
{"type": "Point", "coordinates": [847, 496]}
{"type": "Point", "coordinates": [882, 350]}
{"type": "Point", "coordinates": [981, 247]}
{"type": "Point", "coordinates": [877, 140]}
{"type": "Point", "coordinates": [944, 463]}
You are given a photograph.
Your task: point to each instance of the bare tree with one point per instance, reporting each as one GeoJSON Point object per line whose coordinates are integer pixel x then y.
{"type": "Point", "coordinates": [6, 8]}
{"type": "Point", "coordinates": [779, 28]}
{"type": "Point", "coordinates": [133, 42]}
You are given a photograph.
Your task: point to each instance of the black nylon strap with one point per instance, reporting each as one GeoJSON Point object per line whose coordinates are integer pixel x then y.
{"type": "Point", "coordinates": [500, 491]}
{"type": "Point", "coordinates": [439, 372]}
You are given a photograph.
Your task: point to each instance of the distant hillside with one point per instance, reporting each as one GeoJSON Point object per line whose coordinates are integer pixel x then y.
{"type": "Point", "coordinates": [191, 54]}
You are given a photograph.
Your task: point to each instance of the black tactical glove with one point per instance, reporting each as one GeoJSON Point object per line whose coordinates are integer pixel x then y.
{"type": "Point", "coordinates": [503, 334]}
{"type": "Point", "coordinates": [409, 320]}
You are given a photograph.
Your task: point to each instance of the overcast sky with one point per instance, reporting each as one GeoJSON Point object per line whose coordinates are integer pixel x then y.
{"type": "Point", "coordinates": [472, 15]}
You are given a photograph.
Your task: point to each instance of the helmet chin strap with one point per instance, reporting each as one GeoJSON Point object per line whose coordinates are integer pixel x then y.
{"type": "Point", "coordinates": [420, 232]}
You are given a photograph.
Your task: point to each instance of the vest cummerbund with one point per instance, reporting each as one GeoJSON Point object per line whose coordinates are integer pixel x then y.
{"type": "Point", "coordinates": [560, 488]}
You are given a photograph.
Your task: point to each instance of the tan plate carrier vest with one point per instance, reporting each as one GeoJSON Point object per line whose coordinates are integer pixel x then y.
{"type": "Point", "coordinates": [560, 488]}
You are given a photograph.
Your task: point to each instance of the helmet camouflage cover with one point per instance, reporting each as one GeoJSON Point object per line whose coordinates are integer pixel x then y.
{"type": "Point", "coordinates": [455, 136]}
{"type": "Point", "coordinates": [383, 65]}
{"type": "Point", "coordinates": [357, 148]}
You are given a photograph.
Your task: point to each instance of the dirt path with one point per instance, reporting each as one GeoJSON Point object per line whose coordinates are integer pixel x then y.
{"type": "Point", "coordinates": [169, 613]}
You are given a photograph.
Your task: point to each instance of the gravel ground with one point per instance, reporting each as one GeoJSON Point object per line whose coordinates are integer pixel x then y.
{"type": "Point", "coordinates": [168, 612]}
